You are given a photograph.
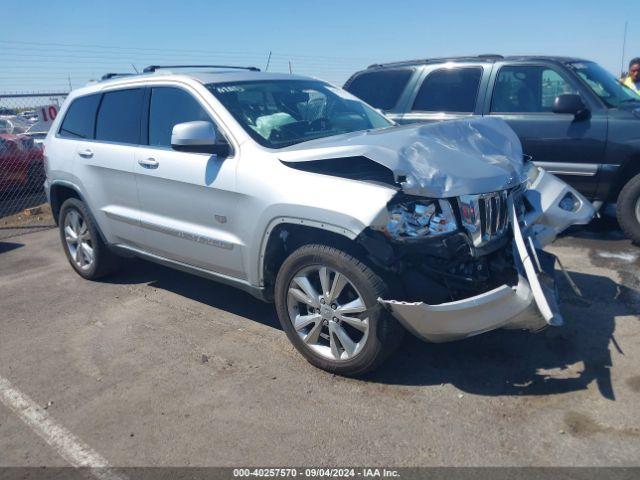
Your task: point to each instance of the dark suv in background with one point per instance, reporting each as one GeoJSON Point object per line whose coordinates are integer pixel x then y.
{"type": "Point", "coordinates": [571, 115]}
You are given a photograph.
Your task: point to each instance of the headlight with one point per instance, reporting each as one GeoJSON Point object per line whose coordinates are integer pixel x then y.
{"type": "Point", "coordinates": [421, 218]}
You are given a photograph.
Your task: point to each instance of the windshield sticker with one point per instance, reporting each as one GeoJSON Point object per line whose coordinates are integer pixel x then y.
{"type": "Point", "coordinates": [230, 89]}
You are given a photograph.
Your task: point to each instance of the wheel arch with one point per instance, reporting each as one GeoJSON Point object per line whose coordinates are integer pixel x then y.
{"type": "Point", "coordinates": [59, 192]}
{"type": "Point", "coordinates": [285, 235]}
{"type": "Point", "coordinates": [627, 171]}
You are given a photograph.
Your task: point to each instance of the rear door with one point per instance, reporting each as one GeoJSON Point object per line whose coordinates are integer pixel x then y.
{"type": "Point", "coordinates": [523, 95]}
{"type": "Point", "coordinates": [188, 204]}
{"type": "Point", "coordinates": [447, 91]}
{"type": "Point", "coordinates": [103, 144]}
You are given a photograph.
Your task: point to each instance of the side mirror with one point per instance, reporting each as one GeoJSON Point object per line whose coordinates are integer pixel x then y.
{"type": "Point", "coordinates": [198, 137]}
{"type": "Point", "coordinates": [570, 103]}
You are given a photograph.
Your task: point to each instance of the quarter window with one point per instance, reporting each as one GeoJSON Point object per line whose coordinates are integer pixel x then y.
{"type": "Point", "coordinates": [80, 118]}
{"type": "Point", "coordinates": [170, 106]}
{"type": "Point", "coordinates": [380, 89]}
{"type": "Point", "coordinates": [449, 90]}
{"type": "Point", "coordinates": [527, 89]}
{"type": "Point", "coordinates": [119, 116]}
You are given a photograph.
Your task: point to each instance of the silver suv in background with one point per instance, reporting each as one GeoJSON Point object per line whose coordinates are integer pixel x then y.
{"type": "Point", "coordinates": [299, 193]}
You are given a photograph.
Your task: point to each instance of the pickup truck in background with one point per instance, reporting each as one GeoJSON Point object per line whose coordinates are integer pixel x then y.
{"type": "Point", "coordinates": [572, 116]}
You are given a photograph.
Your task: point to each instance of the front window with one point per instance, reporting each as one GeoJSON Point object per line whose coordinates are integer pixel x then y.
{"type": "Point", "coordinates": [169, 107]}
{"type": "Point", "coordinates": [604, 84]}
{"type": "Point", "coordinates": [527, 89]}
{"type": "Point", "coordinates": [280, 113]}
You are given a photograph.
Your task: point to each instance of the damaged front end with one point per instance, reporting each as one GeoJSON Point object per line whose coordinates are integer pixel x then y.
{"type": "Point", "coordinates": [461, 240]}
{"type": "Point", "coordinates": [473, 263]}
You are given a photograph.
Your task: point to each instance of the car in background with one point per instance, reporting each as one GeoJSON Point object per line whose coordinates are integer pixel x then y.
{"type": "Point", "coordinates": [14, 124]}
{"type": "Point", "coordinates": [572, 116]}
{"type": "Point", "coordinates": [6, 125]}
{"type": "Point", "coordinates": [21, 163]}
{"type": "Point", "coordinates": [38, 131]}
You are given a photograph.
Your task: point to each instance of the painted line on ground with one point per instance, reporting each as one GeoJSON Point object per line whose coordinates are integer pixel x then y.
{"type": "Point", "coordinates": [65, 443]}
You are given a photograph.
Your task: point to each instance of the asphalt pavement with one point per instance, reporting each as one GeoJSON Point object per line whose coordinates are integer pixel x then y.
{"type": "Point", "coordinates": [154, 367]}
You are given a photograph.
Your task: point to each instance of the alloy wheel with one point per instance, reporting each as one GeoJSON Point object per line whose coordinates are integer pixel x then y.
{"type": "Point", "coordinates": [78, 239]}
{"type": "Point", "coordinates": [328, 312]}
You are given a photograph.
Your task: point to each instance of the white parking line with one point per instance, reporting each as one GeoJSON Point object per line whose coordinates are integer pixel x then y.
{"type": "Point", "coordinates": [68, 446]}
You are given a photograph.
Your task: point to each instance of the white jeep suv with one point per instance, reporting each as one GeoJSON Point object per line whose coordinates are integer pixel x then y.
{"type": "Point", "coordinates": [301, 194]}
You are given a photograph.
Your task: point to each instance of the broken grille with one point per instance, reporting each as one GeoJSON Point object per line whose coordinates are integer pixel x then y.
{"type": "Point", "coordinates": [484, 216]}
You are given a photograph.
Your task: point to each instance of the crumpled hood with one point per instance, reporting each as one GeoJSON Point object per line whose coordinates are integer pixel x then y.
{"type": "Point", "coordinates": [443, 159]}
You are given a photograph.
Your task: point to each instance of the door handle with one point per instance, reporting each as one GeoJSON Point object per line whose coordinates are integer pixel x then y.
{"type": "Point", "coordinates": [148, 162]}
{"type": "Point", "coordinates": [86, 153]}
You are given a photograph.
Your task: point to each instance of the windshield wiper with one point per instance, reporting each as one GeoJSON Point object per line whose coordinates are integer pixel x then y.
{"type": "Point", "coordinates": [627, 100]}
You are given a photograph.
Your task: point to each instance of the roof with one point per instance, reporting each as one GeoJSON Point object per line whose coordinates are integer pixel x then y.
{"type": "Point", "coordinates": [488, 58]}
{"type": "Point", "coordinates": [243, 76]}
{"type": "Point", "coordinates": [205, 77]}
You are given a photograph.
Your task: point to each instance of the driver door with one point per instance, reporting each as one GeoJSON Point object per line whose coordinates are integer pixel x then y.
{"type": "Point", "coordinates": [573, 149]}
{"type": "Point", "coordinates": [188, 203]}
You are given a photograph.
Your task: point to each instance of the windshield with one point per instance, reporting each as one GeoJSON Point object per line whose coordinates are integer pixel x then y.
{"type": "Point", "coordinates": [279, 113]}
{"type": "Point", "coordinates": [604, 84]}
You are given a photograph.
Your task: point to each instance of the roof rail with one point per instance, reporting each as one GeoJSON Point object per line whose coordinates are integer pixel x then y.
{"type": "Point", "coordinates": [107, 76]}
{"type": "Point", "coordinates": [153, 68]}
{"type": "Point", "coordinates": [424, 61]}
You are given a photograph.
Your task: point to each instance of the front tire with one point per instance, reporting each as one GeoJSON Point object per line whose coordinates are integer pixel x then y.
{"type": "Point", "coordinates": [628, 209]}
{"type": "Point", "coordinates": [85, 250]}
{"type": "Point", "coordinates": [327, 303]}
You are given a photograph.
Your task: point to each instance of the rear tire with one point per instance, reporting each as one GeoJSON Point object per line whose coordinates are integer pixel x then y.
{"type": "Point", "coordinates": [335, 294]}
{"type": "Point", "coordinates": [628, 209]}
{"type": "Point", "coordinates": [82, 243]}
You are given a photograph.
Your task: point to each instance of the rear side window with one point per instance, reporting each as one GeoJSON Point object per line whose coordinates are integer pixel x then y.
{"type": "Point", "coordinates": [80, 118]}
{"type": "Point", "coordinates": [170, 106]}
{"type": "Point", "coordinates": [119, 116]}
{"type": "Point", "coordinates": [380, 89]}
{"type": "Point", "coordinates": [449, 90]}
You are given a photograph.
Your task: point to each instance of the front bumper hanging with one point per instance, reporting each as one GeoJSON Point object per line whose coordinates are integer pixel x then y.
{"type": "Point", "coordinates": [532, 304]}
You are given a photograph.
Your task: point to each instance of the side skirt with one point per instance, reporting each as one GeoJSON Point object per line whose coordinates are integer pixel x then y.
{"type": "Point", "coordinates": [257, 292]}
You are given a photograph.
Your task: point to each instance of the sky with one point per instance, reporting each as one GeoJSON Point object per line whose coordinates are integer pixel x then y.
{"type": "Point", "coordinates": [49, 45]}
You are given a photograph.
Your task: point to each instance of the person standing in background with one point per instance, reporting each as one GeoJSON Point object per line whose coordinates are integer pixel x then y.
{"type": "Point", "coordinates": [632, 80]}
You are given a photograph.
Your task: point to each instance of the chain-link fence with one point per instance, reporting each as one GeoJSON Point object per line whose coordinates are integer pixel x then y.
{"type": "Point", "coordinates": [25, 119]}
